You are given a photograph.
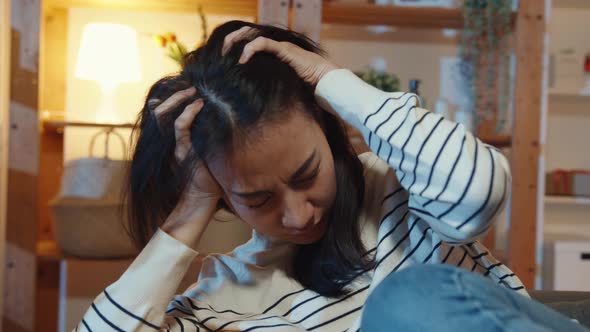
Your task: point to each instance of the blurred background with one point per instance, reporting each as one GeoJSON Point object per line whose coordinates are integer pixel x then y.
{"type": "Point", "coordinates": [74, 75]}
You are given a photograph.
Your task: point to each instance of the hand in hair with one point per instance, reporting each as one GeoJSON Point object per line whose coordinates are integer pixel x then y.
{"type": "Point", "coordinates": [196, 207]}
{"type": "Point", "coordinates": [310, 66]}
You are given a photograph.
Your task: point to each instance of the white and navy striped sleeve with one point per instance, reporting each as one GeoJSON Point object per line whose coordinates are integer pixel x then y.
{"type": "Point", "coordinates": [456, 183]}
{"type": "Point", "coordinates": [138, 300]}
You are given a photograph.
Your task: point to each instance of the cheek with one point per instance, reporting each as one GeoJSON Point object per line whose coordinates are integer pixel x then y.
{"type": "Point", "coordinates": [325, 188]}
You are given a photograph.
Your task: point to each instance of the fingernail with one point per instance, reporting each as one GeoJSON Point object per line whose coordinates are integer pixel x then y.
{"type": "Point", "coordinates": [191, 90]}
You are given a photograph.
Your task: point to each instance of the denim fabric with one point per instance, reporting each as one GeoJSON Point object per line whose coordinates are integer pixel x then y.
{"type": "Point", "coordinates": [445, 298]}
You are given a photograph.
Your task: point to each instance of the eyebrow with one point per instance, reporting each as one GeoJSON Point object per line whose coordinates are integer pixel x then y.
{"type": "Point", "coordinates": [298, 173]}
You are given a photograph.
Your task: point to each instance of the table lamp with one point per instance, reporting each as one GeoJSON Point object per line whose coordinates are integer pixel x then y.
{"type": "Point", "coordinates": [109, 56]}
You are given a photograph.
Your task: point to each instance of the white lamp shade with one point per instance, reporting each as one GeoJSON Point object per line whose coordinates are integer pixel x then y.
{"type": "Point", "coordinates": [108, 55]}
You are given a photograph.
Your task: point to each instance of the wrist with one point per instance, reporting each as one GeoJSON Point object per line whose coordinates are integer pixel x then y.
{"type": "Point", "coordinates": [188, 223]}
{"type": "Point", "coordinates": [326, 68]}
{"type": "Point", "coordinates": [195, 208]}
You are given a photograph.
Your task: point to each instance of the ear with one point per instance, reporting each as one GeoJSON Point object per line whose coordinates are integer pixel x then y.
{"type": "Point", "coordinates": [320, 115]}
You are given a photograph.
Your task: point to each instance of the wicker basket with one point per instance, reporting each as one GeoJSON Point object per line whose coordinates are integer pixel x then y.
{"type": "Point", "coordinates": [87, 211]}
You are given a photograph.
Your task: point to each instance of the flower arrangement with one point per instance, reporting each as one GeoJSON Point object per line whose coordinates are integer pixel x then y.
{"type": "Point", "coordinates": [175, 49]}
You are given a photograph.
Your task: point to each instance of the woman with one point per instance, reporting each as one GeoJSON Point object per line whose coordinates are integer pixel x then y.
{"type": "Point", "coordinates": [251, 123]}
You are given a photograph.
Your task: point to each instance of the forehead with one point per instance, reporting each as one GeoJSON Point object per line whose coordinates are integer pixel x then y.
{"type": "Point", "coordinates": [273, 154]}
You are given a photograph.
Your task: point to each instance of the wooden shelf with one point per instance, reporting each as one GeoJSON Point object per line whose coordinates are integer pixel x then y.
{"type": "Point", "coordinates": [54, 122]}
{"type": "Point", "coordinates": [57, 126]}
{"type": "Point", "coordinates": [498, 141]}
{"type": "Point", "coordinates": [575, 4]}
{"type": "Point", "coordinates": [569, 200]}
{"type": "Point", "coordinates": [214, 7]}
{"type": "Point", "coordinates": [567, 94]}
{"type": "Point", "coordinates": [370, 14]}
{"type": "Point", "coordinates": [48, 250]}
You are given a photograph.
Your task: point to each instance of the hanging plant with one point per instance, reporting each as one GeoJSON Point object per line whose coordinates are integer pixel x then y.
{"type": "Point", "coordinates": [381, 80]}
{"type": "Point", "coordinates": [485, 58]}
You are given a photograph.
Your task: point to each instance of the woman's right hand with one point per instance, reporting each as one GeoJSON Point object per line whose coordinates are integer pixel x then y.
{"type": "Point", "coordinates": [311, 67]}
{"type": "Point", "coordinates": [198, 202]}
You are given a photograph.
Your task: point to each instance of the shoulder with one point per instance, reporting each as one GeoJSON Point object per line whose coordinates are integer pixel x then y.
{"type": "Point", "coordinates": [375, 169]}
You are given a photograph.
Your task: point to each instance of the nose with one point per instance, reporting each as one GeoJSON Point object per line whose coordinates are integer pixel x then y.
{"type": "Point", "coordinates": [298, 212]}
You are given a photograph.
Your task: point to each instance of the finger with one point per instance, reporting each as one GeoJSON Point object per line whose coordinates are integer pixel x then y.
{"type": "Point", "coordinates": [182, 128]}
{"type": "Point", "coordinates": [153, 103]}
{"type": "Point", "coordinates": [184, 120]}
{"type": "Point", "coordinates": [176, 99]}
{"type": "Point", "coordinates": [183, 146]}
{"type": "Point", "coordinates": [263, 44]}
{"type": "Point", "coordinates": [235, 37]}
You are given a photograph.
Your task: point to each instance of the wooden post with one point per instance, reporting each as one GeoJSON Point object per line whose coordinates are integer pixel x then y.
{"type": "Point", "coordinates": [23, 156]}
{"type": "Point", "coordinates": [273, 12]}
{"type": "Point", "coordinates": [4, 102]}
{"type": "Point", "coordinates": [529, 114]}
{"type": "Point", "coordinates": [307, 18]}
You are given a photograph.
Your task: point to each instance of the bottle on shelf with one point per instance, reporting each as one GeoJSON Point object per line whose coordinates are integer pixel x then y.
{"type": "Point", "coordinates": [442, 108]}
{"type": "Point", "coordinates": [465, 117]}
{"type": "Point", "coordinates": [414, 88]}
{"type": "Point", "coordinates": [586, 89]}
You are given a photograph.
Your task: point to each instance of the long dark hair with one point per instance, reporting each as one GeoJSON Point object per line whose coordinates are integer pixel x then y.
{"type": "Point", "coordinates": [239, 99]}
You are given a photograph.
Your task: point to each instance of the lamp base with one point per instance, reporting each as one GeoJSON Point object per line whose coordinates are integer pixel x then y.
{"type": "Point", "coordinates": [106, 112]}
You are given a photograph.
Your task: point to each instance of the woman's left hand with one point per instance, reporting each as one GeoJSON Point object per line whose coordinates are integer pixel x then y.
{"type": "Point", "coordinates": [311, 67]}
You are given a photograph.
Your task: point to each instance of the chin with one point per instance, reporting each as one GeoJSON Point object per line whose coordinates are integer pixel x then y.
{"type": "Point", "coordinates": [307, 239]}
{"type": "Point", "coordinates": [304, 240]}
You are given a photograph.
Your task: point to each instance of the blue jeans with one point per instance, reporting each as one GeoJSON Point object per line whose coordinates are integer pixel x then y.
{"type": "Point", "coordinates": [444, 298]}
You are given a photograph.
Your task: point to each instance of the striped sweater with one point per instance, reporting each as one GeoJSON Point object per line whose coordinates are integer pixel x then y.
{"type": "Point", "coordinates": [432, 189]}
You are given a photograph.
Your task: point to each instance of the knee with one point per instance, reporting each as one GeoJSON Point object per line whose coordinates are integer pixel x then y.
{"type": "Point", "coordinates": [418, 279]}
{"type": "Point", "coordinates": [402, 297]}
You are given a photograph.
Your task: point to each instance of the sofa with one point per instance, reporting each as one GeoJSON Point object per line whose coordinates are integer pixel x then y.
{"type": "Point", "coordinates": [575, 305]}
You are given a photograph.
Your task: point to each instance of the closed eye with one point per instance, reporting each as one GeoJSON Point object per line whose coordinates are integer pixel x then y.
{"type": "Point", "coordinates": [258, 205]}
{"type": "Point", "coordinates": [309, 178]}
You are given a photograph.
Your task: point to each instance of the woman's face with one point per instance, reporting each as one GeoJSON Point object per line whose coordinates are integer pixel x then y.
{"type": "Point", "coordinates": [282, 182]}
